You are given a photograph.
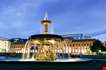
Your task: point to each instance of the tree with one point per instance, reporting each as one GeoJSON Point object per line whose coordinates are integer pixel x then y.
{"type": "Point", "coordinates": [97, 45]}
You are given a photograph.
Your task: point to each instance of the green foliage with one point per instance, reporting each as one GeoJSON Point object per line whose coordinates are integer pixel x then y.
{"type": "Point", "coordinates": [97, 45]}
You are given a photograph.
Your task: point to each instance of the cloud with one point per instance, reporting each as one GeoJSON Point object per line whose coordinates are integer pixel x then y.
{"type": "Point", "coordinates": [22, 17]}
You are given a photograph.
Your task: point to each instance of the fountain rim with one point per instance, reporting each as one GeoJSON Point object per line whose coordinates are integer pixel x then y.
{"type": "Point", "coordinates": [48, 36]}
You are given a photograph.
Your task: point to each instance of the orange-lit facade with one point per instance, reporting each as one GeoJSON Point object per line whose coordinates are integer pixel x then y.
{"type": "Point", "coordinates": [17, 45]}
{"type": "Point", "coordinates": [77, 47]}
{"type": "Point", "coordinates": [17, 48]}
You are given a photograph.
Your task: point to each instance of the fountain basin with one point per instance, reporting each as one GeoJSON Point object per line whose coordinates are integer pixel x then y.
{"type": "Point", "coordinates": [9, 59]}
{"type": "Point", "coordinates": [47, 36]}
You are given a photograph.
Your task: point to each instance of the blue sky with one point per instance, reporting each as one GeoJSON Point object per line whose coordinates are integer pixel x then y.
{"type": "Point", "coordinates": [21, 18]}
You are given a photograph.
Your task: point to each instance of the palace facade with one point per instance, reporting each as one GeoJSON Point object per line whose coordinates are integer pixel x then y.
{"type": "Point", "coordinates": [4, 45]}
{"type": "Point", "coordinates": [81, 46]}
{"type": "Point", "coordinates": [75, 47]}
{"type": "Point", "coordinates": [17, 44]}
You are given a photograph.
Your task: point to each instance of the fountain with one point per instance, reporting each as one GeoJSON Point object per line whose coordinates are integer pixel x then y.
{"type": "Point", "coordinates": [46, 46]}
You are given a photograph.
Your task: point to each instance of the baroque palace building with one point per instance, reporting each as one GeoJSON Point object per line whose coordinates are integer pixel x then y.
{"type": "Point", "coordinates": [74, 47]}
{"type": "Point", "coordinates": [80, 46]}
{"type": "Point", "coordinates": [4, 45]}
{"type": "Point", "coordinates": [17, 44]}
